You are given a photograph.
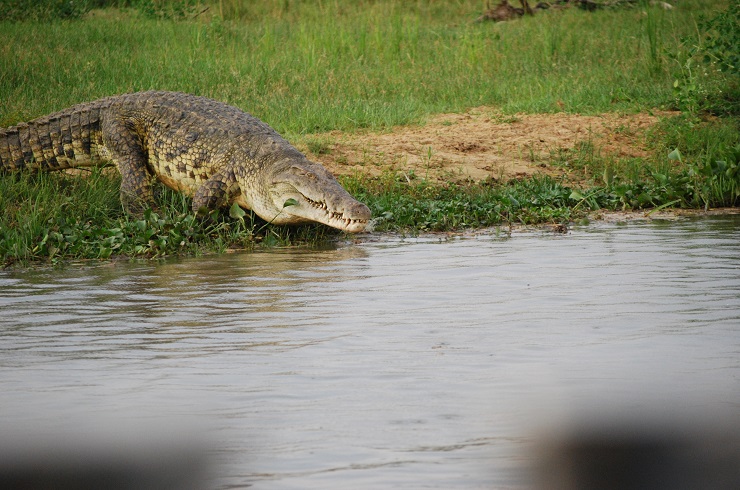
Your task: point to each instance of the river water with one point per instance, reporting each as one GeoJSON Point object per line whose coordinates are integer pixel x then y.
{"type": "Point", "coordinates": [390, 363]}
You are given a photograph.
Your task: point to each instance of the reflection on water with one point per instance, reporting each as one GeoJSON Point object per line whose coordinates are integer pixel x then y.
{"type": "Point", "coordinates": [397, 363]}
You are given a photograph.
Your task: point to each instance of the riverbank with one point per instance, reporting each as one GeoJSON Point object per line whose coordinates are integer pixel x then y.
{"type": "Point", "coordinates": [438, 123]}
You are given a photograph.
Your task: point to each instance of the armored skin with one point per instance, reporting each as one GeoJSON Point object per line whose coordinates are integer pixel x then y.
{"type": "Point", "coordinates": [213, 152]}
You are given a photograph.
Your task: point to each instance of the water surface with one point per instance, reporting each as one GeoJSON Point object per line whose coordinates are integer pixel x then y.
{"type": "Point", "coordinates": [393, 363]}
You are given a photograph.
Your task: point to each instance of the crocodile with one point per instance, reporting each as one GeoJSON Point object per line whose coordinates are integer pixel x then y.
{"type": "Point", "coordinates": [211, 151]}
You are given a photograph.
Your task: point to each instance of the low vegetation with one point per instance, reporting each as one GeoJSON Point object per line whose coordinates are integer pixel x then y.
{"type": "Point", "coordinates": [315, 67]}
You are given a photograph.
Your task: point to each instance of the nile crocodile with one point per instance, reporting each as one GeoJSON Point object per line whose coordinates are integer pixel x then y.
{"type": "Point", "coordinates": [211, 151]}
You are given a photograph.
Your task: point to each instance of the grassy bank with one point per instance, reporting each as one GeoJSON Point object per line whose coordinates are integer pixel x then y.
{"type": "Point", "coordinates": [309, 67]}
{"type": "Point", "coordinates": [318, 66]}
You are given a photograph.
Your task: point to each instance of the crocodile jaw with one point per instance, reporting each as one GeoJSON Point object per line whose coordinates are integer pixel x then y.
{"type": "Point", "coordinates": [306, 191]}
{"type": "Point", "coordinates": [351, 218]}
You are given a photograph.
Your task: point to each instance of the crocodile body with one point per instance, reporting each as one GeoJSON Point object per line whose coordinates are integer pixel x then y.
{"type": "Point", "coordinates": [211, 151]}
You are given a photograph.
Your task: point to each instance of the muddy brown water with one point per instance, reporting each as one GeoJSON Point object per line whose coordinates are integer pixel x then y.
{"type": "Point", "coordinates": [391, 363]}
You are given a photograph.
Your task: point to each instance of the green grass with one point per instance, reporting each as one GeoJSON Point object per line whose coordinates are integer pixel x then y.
{"type": "Point", "coordinates": [80, 216]}
{"type": "Point", "coordinates": [317, 66]}
{"type": "Point", "coordinates": [309, 67]}
{"type": "Point", "coordinates": [418, 206]}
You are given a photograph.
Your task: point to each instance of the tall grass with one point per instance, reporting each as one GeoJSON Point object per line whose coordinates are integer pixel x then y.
{"type": "Point", "coordinates": [319, 66]}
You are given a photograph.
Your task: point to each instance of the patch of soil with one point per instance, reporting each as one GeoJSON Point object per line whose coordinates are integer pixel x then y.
{"type": "Point", "coordinates": [482, 144]}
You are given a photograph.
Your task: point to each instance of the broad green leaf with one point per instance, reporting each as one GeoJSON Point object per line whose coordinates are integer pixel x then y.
{"type": "Point", "coordinates": [675, 155]}
{"type": "Point", "coordinates": [576, 195]}
{"type": "Point", "coordinates": [236, 212]}
{"type": "Point", "coordinates": [608, 176]}
{"type": "Point", "coordinates": [290, 202]}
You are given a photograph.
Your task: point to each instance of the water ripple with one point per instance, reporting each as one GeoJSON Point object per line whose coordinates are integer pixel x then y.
{"type": "Point", "coordinates": [391, 363]}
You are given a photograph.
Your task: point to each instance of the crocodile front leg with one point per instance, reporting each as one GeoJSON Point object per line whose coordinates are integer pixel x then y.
{"type": "Point", "coordinates": [215, 193]}
{"type": "Point", "coordinates": [128, 154]}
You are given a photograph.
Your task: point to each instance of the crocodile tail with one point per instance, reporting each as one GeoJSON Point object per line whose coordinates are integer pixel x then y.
{"type": "Point", "coordinates": [11, 149]}
{"type": "Point", "coordinates": [66, 139]}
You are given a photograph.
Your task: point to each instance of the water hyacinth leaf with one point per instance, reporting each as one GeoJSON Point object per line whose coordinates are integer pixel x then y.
{"type": "Point", "coordinates": [644, 198]}
{"type": "Point", "coordinates": [236, 212]}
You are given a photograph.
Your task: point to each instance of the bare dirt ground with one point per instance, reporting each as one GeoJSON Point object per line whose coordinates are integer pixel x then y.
{"type": "Point", "coordinates": [482, 144]}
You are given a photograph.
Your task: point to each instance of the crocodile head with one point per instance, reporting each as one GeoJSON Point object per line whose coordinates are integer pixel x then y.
{"type": "Point", "coordinates": [298, 191]}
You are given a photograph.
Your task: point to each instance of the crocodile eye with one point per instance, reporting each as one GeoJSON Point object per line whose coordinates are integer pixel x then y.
{"type": "Point", "coordinates": [303, 173]}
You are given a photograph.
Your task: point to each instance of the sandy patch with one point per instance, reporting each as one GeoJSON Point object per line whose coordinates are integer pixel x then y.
{"type": "Point", "coordinates": [483, 144]}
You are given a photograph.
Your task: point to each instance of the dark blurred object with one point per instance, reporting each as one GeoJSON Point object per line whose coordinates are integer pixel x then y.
{"type": "Point", "coordinates": [635, 455]}
{"type": "Point", "coordinates": [110, 461]}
